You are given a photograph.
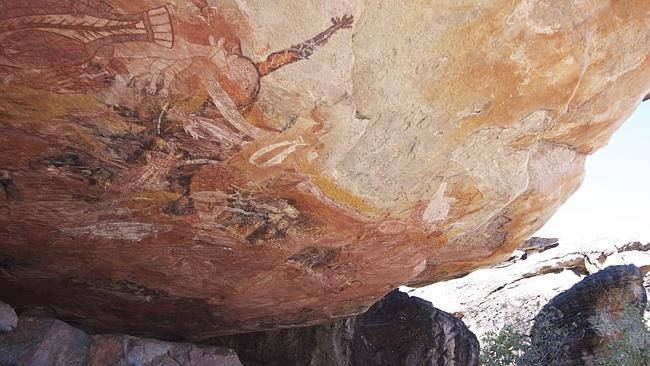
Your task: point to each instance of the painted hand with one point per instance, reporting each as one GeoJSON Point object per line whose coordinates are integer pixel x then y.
{"type": "Point", "coordinates": [344, 22]}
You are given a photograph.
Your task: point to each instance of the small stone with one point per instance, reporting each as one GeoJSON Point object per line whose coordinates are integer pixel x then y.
{"type": "Point", "coordinates": [8, 318]}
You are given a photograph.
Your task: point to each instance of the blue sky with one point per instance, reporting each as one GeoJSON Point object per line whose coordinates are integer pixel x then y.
{"type": "Point", "coordinates": [614, 200]}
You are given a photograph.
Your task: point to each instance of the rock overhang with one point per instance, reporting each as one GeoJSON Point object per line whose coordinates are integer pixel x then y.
{"type": "Point", "coordinates": [245, 166]}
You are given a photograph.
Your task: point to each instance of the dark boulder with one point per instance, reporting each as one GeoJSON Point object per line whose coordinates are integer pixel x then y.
{"type": "Point", "coordinates": [409, 331]}
{"type": "Point", "coordinates": [43, 342]}
{"type": "Point", "coordinates": [399, 330]}
{"type": "Point", "coordinates": [565, 330]}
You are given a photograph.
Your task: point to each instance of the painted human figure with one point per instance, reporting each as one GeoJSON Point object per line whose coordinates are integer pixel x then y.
{"type": "Point", "coordinates": [46, 34]}
{"type": "Point", "coordinates": [64, 34]}
{"type": "Point", "coordinates": [236, 73]}
{"type": "Point", "coordinates": [43, 35]}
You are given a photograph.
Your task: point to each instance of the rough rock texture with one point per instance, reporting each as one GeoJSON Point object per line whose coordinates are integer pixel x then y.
{"type": "Point", "coordinates": [191, 168]}
{"type": "Point", "coordinates": [537, 245]}
{"type": "Point", "coordinates": [397, 331]}
{"type": "Point", "coordinates": [400, 330]}
{"type": "Point", "coordinates": [43, 341]}
{"type": "Point", "coordinates": [8, 318]}
{"type": "Point", "coordinates": [51, 342]}
{"type": "Point", "coordinates": [601, 295]}
{"type": "Point", "coordinates": [516, 290]}
{"type": "Point", "coordinates": [125, 350]}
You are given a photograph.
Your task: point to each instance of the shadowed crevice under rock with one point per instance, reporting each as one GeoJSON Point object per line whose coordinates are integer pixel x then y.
{"type": "Point", "coordinates": [399, 330]}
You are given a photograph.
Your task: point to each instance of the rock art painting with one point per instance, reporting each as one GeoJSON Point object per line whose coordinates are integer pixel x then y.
{"type": "Point", "coordinates": [256, 165]}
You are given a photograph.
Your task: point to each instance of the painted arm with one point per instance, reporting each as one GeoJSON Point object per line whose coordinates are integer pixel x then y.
{"type": "Point", "coordinates": [92, 7]}
{"type": "Point", "coordinates": [303, 50]}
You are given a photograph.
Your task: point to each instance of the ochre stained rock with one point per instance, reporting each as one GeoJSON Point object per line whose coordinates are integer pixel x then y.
{"type": "Point", "coordinates": [192, 168]}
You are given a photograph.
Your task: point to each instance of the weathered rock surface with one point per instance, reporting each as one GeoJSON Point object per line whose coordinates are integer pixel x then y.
{"type": "Point", "coordinates": [397, 331]}
{"type": "Point", "coordinates": [538, 245]}
{"type": "Point", "coordinates": [516, 290]}
{"type": "Point", "coordinates": [577, 311]}
{"type": "Point", "coordinates": [193, 168]}
{"type": "Point", "coordinates": [51, 342]}
{"type": "Point", "coordinates": [8, 318]}
{"type": "Point", "coordinates": [434, 337]}
{"type": "Point", "coordinates": [43, 341]}
{"type": "Point", "coordinates": [126, 350]}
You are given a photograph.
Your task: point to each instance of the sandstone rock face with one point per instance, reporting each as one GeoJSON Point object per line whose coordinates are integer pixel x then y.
{"type": "Point", "coordinates": [51, 342]}
{"type": "Point", "coordinates": [513, 292]}
{"type": "Point", "coordinates": [603, 295]}
{"type": "Point", "coordinates": [246, 165]}
{"type": "Point", "coordinates": [397, 331]}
